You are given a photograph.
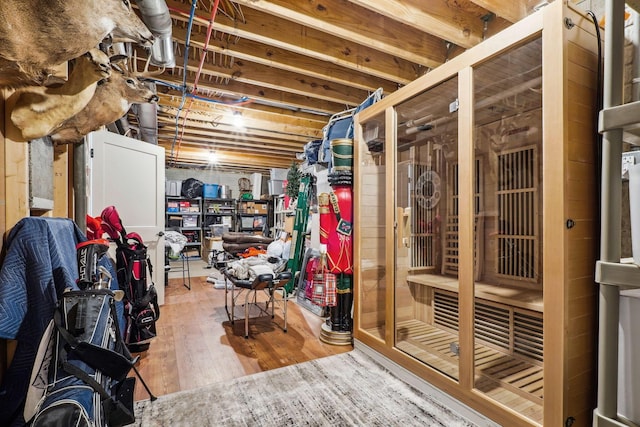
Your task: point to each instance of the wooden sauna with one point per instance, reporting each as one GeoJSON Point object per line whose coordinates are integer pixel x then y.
{"type": "Point", "coordinates": [476, 217]}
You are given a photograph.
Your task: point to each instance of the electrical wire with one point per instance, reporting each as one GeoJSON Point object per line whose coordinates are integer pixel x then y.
{"type": "Point", "coordinates": [599, 105]}
{"type": "Point", "coordinates": [203, 55]}
{"type": "Point", "coordinates": [183, 89]}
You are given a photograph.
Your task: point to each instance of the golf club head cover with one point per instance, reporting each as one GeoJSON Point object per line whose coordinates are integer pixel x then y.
{"type": "Point", "coordinates": [111, 223]}
{"type": "Point", "coordinates": [88, 255]}
{"type": "Point", "coordinates": [94, 228]}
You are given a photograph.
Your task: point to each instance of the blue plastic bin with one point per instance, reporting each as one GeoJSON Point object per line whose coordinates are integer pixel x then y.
{"type": "Point", "coordinates": [211, 191]}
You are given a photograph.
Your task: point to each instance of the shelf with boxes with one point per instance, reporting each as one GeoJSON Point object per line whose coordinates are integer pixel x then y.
{"type": "Point", "coordinates": [184, 215]}
{"type": "Point", "coordinates": [252, 216]}
{"type": "Point", "coordinates": [218, 216]}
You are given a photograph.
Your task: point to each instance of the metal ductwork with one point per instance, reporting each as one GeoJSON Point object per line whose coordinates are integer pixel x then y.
{"type": "Point", "coordinates": [155, 15]}
{"type": "Point", "coordinates": [147, 122]}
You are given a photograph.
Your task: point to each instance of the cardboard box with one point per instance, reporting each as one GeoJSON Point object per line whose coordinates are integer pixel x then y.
{"type": "Point", "coordinates": [174, 221]}
{"type": "Point", "coordinates": [247, 207]}
{"type": "Point", "coordinates": [288, 224]}
{"type": "Point", "coordinates": [172, 207]}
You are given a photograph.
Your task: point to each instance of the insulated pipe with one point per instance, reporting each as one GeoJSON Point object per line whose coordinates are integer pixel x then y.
{"type": "Point", "coordinates": [155, 14]}
{"type": "Point", "coordinates": [635, 40]}
{"type": "Point", "coordinates": [148, 122]}
{"type": "Point", "coordinates": [80, 185]}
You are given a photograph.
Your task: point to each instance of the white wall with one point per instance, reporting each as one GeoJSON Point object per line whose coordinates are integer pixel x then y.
{"type": "Point", "coordinates": [212, 176]}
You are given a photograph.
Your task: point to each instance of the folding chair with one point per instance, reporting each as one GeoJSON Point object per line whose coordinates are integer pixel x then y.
{"type": "Point", "coordinates": [250, 288]}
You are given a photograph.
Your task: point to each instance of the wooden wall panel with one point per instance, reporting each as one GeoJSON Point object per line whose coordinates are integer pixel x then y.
{"type": "Point", "coordinates": [16, 172]}
{"type": "Point", "coordinates": [61, 181]}
{"type": "Point", "coordinates": [3, 226]}
{"type": "Point", "coordinates": [581, 206]}
{"type": "Point", "coordinates": [569, 253]}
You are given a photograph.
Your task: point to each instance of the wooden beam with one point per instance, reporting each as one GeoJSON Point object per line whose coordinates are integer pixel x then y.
{"type": "Point", "coordinates": [511, 10]}
{"type": "Point", "coordinates": [227, 158]}
{"type": "Point", "coordinates": [209, 142]}
{"type": "Point", "coordinates": [285, 81]}
{"type": "Point", "coordinates": [247, 150]}
{"type": "Point", "coordinates": [61, 182]}
{"type": "Point", "coordinates": [165, 121]}
{"type": "Point", "coordinates": [268, 95]}
{"type": "Point", "coordinates": [227, 111]}
{"type": "Point", "coordinates": [282, 128]}
{"type": "Point", "coordinates": [234, 139]}
{"type": "Point", "coordinates": [264, 27]}
{"type": "Point", "coordinates": [282, 59]}
{"type": "Point", "coordinates": [360, 26]}
{"type": "Point", "coordinates": [438, 17]}
{"type": "Point", "coordinates": [4, 94]}
{"type": "Point", "coordinates": [16, 171]}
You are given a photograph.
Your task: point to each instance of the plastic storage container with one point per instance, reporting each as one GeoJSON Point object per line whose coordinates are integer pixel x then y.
{"type": "Point", "coordinates": [217, 230]}
{"type": "Point", "coordinates": [173, 187]}
{"type": "Point", "coordinates": [211, 191]}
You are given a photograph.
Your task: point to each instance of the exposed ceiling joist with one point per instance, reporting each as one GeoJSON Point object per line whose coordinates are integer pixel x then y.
{"type": "Point", "coordinates": [286, 66]}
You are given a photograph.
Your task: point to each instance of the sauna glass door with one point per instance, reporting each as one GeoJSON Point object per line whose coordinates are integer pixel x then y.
{"type": "Point", "coordinates": [372, 225]}
{"type": "Point", "coordinates": [508, 352]}
{"type": "Point", "coordinates": [426, 233]}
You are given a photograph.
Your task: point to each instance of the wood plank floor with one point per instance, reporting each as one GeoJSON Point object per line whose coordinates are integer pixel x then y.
{"type": "Point", "coordinates": [197, 346]}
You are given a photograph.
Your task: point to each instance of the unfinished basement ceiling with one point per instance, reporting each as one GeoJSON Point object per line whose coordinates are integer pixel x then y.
{"type": "Point", "coordinates": [262, 78]}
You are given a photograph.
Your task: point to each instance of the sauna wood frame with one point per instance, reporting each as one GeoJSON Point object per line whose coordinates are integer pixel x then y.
{"type": "Point", "coordinates": [569, 52]}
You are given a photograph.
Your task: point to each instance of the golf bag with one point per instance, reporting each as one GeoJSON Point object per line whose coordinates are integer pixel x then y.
{"type": "Point", "coordinates": [141, 301]}
{"type": "Point", "coordinates": [140, 298]}
{"type": "Point", "coordinates": [80, 373]}
{"type": "Point", "coordinates": [81, 378]}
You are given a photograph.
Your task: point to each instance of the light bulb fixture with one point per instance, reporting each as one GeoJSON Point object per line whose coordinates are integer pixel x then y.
{"type": "Point", "coordinates": [212, 157]}
{"type": "Point", "coordinates": [238, 121]}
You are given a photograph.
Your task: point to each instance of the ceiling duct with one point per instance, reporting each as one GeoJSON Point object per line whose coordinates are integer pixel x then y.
{"type": "Point", "coordinates": [147, 122]}
{"type": "Point", "coordinates": [155, 15]}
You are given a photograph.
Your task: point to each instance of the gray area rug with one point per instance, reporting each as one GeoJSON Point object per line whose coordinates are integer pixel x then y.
{"type": "Point", "coordinates": [348, 389]}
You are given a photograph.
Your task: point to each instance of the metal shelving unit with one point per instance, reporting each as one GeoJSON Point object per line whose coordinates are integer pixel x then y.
{"type": "Point", "coordinates": [218, 212]}
{"type": "Point", "coordinates": [187, 220]}
{"type": "Point", "coordinates": [252, 215]}
{"type": "Point", "coordinates": [611, 272]}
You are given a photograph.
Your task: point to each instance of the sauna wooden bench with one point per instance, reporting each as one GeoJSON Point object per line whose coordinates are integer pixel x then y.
{"type": "Point", "coordinates": [500, 372]}
{"type": "Point", "coordinates": [509, 295]}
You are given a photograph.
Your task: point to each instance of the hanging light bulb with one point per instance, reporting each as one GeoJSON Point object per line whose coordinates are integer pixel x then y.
{"type": "Point", "coordinates": [238, 121]}
{"type": "Point", "coordinates": [213, 157]}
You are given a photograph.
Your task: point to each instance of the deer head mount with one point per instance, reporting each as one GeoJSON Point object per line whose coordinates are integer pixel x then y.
{"type": "Point", "coordinates": [38, 35]}
{"type": "Point", "coordinates": [39, 110]}
{"type": "Point", "coordinates": [111, 101]}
